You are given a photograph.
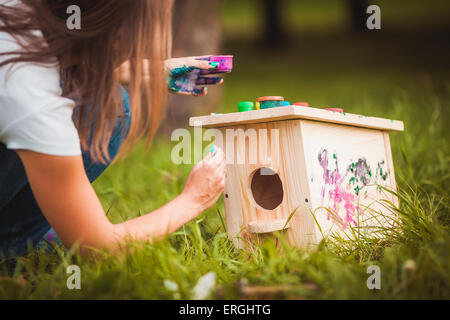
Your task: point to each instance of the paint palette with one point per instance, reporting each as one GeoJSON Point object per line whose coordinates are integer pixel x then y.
{"type": "Point", "coordinates": [225, 64]}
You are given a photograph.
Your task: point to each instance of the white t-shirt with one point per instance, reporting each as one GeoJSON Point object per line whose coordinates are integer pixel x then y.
{"type": "Point", "coordinates": [33, 114]}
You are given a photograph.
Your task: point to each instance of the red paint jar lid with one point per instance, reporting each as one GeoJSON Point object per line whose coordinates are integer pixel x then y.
{"type": "Point", "coordinates": [302, 104]}
{"type": "Point", "coordinates": [271, 98]}
{"type": "Point", "coordinates": [335, 109]}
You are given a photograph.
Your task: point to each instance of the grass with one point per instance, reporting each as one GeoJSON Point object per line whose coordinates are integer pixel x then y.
{"type": "Point", "coordinates": [387, 75]}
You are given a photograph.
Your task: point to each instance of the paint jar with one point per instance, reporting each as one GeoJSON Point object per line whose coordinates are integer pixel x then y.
{"type": "Point", "coordinates": [301, 104]}
{"type": "Point", "coordinates": [225, 64]}
{"type": "Point", "coordinates": [285, 103]}
{"type": "Point", "coordinates": [335, 109]}
{"type": "Point", "coordinates": [270, 102]}
{"type": "Point", "coordinates": [245, 106]}
{"type": "Point", "coordinates": [257, 106]}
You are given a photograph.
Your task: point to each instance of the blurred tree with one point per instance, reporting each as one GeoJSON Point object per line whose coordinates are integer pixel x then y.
{"type": "Point", "coordinates": [196, 31]}
{"type": "Point", "coordinates": [273, 27]}
{"type": "Point", "coordinates": [358, 14]}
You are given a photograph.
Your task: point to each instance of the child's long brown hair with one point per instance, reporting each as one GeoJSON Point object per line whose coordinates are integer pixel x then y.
{"type": "Point", "coordinates": [112, 31]}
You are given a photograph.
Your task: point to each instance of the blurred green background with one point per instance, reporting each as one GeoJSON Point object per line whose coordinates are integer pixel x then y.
{"type": "Point", "coordinates": [323, 59]}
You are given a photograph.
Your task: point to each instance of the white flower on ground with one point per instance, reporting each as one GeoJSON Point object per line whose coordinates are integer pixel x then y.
{"type": "Point", "coordinates": [170, 285]}
{"type": "Point", "coordinates": [409, 266]}
{"type": "Point", "coordinates": [204, 286]}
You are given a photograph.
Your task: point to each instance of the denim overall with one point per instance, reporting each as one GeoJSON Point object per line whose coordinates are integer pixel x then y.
{"type": "Point", "coordinates": [22, 224]}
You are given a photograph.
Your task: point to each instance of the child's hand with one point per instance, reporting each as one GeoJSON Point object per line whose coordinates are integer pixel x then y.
{"type": "Point", "coordinates": [185, 78]}
{"type": "Point", "coordinates": [207, 180]}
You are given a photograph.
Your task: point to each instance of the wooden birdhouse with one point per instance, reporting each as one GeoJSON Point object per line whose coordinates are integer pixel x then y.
{"type": "Point", "coordinates": [327, 171]}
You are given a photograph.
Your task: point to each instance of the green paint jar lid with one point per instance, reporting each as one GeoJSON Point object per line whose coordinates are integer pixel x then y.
{"type": "Point", "coordinates": [245, 106]}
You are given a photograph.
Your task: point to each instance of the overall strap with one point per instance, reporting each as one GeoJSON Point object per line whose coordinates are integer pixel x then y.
{"type": "Point", "coordinates": [12, 175]}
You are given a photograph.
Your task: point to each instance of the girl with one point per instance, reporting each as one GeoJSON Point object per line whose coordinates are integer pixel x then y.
{"type": "Point", "coordinates": [64, 117]}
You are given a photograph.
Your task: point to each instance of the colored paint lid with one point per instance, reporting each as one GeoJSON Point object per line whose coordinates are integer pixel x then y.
{"type": "Point", "coordinates": [285, 103]}
{"type": "Point", "coordinates": [257, 105]}
{"type": "Point", "coordinates": [245, 106]}
{"type": "Point", "coordinates": [224, 64]}
{"type": "Point", "coordinates": [302, 104]}
{"type": "Point", "coordinates": [335, 109]}
{"type": "Point", "coordinates": [271, 98]}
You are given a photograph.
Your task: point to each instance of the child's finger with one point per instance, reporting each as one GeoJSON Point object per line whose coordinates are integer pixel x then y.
{"type": "Point", "coordinates": [202, 57]}
{"type": "Point", "coordinates": [218, 156]}
{"type": "Point", "coordinates": [204, 64]}
{"type": "Point", "coordinates": [197, 92]}
{"type": "Point", "coordinates": [183, 93]}
{"type": "Point", "coordinates": [203, 91]}
{"type": "Point", "coordinates": [175, 72]}
{"type": "Point", "coordinates": [209, 81]}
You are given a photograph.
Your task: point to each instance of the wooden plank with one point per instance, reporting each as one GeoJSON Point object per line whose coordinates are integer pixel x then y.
{"type": "Point", "coordinates": [295, 112]}
{"type": "Point", "coordinates": [266, 226]}
{"type": "Point", "coordinates": [344, 165]}
{"type": "Point", "coordinates": [302, 231]}
{"type": "Point", "coordinates": [288, 161]}
{"type": "Point", "coordinates": [390, 164]}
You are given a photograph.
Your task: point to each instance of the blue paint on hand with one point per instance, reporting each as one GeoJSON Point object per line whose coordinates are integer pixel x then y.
{"type": "Point", "coordinates": [214, 65]}
{"type": "Point", "coordinates": [181, 71]}
{"type": "Point", "coordinates": [213, 149]}
{"type": "Point", "coordinates": [185, 79]}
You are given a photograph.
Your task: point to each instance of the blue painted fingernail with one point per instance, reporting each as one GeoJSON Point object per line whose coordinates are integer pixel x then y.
{"type": "Point", "coordinates": [213, 149]}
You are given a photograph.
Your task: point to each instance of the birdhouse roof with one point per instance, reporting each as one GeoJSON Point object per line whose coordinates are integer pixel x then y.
{"type": "Point", "coordinates": [295, 112]}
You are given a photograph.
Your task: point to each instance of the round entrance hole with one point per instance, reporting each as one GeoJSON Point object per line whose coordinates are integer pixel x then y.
{"type": "Point", "coordinates": [267, 188]}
